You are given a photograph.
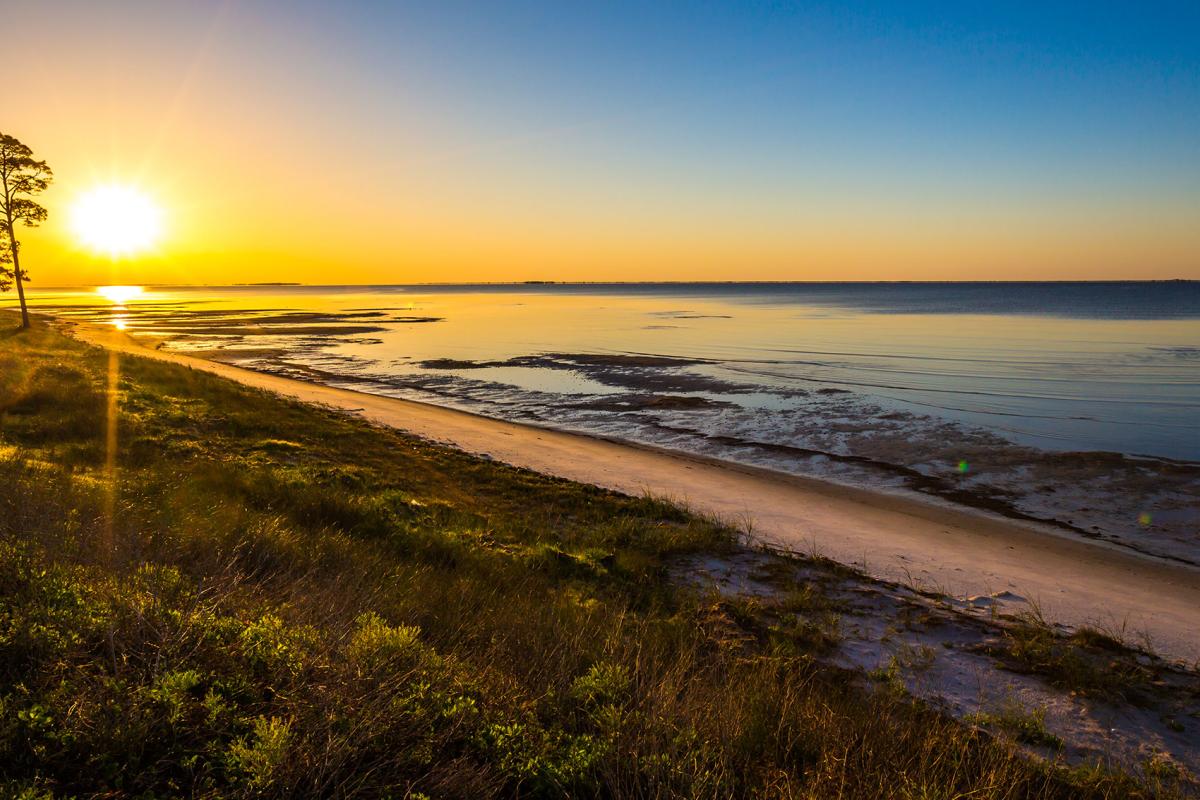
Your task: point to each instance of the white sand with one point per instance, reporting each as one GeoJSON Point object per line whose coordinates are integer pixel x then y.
{"type": "Point", "coordinates": [960, 552]}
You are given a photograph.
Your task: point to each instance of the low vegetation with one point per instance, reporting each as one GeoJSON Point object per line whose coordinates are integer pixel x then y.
{"type": "Point", "coordinates": [231, 595]}
{"type": "Point", "coordinates": [1089, 662]}
{"type": "Point", "coordinates": [1027, 726]}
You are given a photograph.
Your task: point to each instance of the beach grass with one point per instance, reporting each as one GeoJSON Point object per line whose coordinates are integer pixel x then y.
{"type": "Point", "coordinates": [228, 594]}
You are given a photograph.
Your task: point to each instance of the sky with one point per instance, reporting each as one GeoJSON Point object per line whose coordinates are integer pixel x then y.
{"type": "Point", "coordinates": [364, 142]}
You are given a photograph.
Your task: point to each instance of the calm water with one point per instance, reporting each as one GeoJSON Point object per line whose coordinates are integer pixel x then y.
{"type": "Point", "coordinates": [887, 384]}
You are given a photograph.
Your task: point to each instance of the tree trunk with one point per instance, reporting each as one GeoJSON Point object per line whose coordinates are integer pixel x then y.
{"type": "Point", "coordinates": [12, 243]}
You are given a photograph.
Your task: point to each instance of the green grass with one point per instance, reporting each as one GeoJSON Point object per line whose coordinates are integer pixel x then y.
{"type": "Point", "coordinates": [1027, 726]}
{"type": "Point", "coordinates": [265, 599]}
{"type": "Point", "coordinates": [1088, 662]}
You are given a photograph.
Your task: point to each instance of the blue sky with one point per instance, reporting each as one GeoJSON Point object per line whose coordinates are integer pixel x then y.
{"type": "Point", "coordinates": [968, 138]}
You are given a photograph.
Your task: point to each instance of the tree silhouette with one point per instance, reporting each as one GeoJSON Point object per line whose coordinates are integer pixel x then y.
{"type": "Point", "coordinates": [21, 177]}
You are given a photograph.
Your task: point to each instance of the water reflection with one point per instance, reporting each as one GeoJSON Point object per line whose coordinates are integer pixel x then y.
{"type": "Point", "coordinates": [120, 295]}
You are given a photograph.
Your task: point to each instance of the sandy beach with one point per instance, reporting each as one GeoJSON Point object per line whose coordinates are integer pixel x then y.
{"type": "Point", "coordinates": [962, 553]}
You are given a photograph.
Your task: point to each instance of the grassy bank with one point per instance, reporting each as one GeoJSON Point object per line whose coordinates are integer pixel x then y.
{"type": "Point", "coordinates": [229, 594]}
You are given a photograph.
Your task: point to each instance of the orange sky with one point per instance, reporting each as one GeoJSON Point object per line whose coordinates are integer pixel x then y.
{"type": "Point", "coordinates": [293, 148]}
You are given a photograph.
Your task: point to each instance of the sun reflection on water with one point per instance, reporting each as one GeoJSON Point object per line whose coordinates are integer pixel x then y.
{"type": "Point", "coordinates": [119, 295]}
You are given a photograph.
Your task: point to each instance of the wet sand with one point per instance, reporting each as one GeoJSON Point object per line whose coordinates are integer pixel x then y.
{"type": "Point", "coordinates": [937, 547]}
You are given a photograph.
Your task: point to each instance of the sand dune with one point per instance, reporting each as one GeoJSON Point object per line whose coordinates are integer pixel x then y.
{"type": "Point", "coordinates": [959, 552]}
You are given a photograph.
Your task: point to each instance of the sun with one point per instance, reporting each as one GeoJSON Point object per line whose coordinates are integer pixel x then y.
{"type": "Point", "coordinates": [116, 219]}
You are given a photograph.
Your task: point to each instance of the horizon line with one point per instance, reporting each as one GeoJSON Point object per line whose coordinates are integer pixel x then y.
{"type": "Point", "coordinates": [542, 283]}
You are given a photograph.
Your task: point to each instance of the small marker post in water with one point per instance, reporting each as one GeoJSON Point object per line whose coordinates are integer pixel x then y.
{"type": "Point", "coordinates": [962, 467]}
{"type": "Point", "coordinates": [1144, 519]}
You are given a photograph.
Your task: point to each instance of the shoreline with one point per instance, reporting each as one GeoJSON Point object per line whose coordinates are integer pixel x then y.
{"type": "Point", "coordinates": [957, 551]}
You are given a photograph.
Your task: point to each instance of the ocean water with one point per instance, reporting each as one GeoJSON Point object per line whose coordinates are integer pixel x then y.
{"type": "Point", "coordinates": [1077, 404]}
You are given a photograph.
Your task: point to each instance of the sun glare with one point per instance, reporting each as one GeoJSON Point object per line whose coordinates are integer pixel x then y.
{"type": "Point", "coordinates": [117, 220]}
{"type": "Point", "coordinates": [119, 295]}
